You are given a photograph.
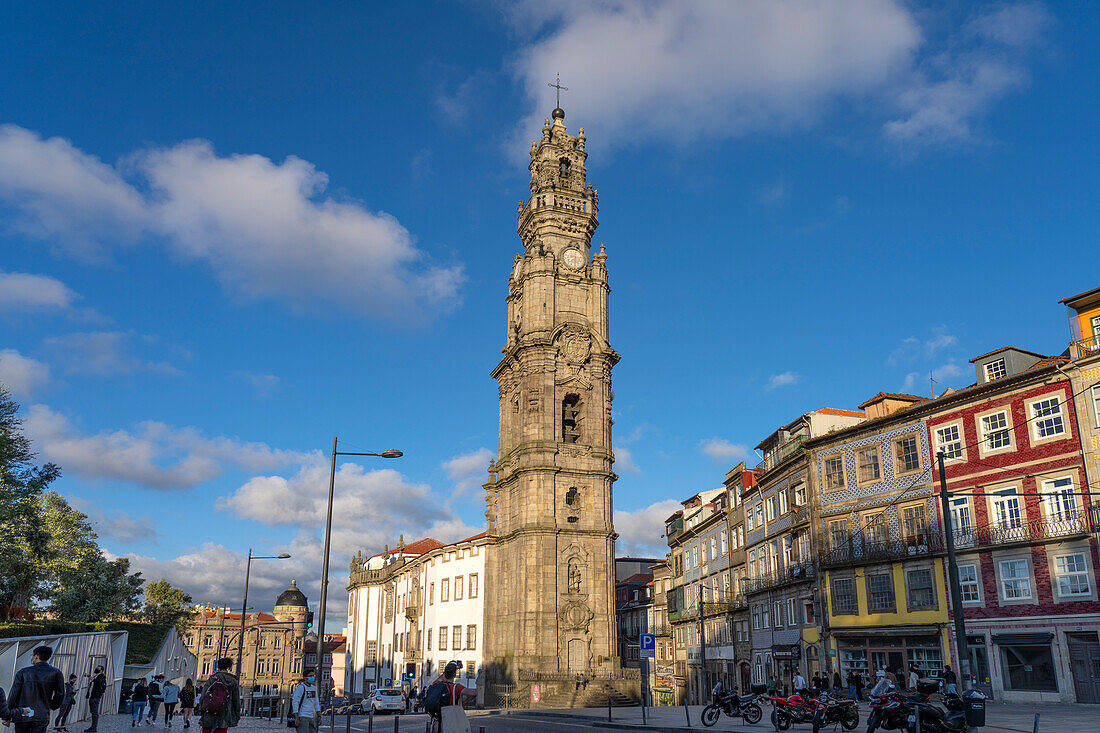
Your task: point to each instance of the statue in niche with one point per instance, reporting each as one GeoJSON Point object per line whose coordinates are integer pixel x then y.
{"type": "Point", "coordinates": [573, 584]}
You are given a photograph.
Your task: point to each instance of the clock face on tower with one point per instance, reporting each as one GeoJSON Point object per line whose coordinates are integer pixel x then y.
{"type": "Point", "coordinates": [572, 258]}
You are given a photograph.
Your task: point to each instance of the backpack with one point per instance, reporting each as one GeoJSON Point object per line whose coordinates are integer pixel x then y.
{"type": "Point", "coordinates": [215, 698]}
{"type": "Point", "coordinates": [435, 696]}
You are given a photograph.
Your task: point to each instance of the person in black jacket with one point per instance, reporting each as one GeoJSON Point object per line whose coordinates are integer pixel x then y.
{"type": "Point", "coordinates": [95, 697]}
{"type": "Point", "coordinates": [5, 715]}
{"type": "Point", "coordinates": [66, 705]}
{"type": "Point", "coordinates": [40, 687]}
{"type": "Point", "coordinates": [155, 698]}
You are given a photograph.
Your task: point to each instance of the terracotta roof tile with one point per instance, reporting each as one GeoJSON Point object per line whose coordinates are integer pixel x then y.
{"type": "Point", "coordinates": [835, 411]}
{"type": "Point", "coordinates": [638, 578]}
{"type": "Point", "coordinates": [893, 396]}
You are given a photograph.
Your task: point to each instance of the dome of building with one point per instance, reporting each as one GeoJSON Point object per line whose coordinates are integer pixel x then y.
{"type": "Point", "coordinates": [292, 597]}
{"type": "Point", "coordinates": [558, 114]}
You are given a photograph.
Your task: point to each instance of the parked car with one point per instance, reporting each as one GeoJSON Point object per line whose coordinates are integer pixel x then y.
{"type": "Point", "coordinates": [387, 700]}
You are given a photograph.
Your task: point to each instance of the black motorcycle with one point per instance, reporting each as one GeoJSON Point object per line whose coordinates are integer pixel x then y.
{"type": "Point", "coordinates": [834, 711]}
{"type": "Point", "coordinates": [951, 718]}
{"type": "Point", "coordinates": [733, 705]}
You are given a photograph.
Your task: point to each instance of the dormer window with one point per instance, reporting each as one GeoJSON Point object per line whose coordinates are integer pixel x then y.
{"type": "Point", "coordinates": [995, 370]}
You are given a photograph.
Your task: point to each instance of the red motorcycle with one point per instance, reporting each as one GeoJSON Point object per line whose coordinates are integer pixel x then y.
{"type": "Point", "coordinates": [794, 709]}
{"type": "Point", "coordinates": [892, 709]}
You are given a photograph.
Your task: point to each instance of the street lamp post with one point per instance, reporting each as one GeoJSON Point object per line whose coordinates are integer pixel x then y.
{"type": "Point", "coordinates": [389, 453]}
{"type": "Point", "coordinates": [244, 605]}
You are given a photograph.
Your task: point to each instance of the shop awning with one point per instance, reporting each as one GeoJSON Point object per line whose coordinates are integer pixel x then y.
{"type": "Point", "coordinates": [1022, 639]}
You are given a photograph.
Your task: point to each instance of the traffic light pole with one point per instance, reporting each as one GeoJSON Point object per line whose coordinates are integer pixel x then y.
{"type": "Point", "coordinates": [961, 647]}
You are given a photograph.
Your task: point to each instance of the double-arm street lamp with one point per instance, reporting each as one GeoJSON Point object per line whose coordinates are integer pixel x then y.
{"type": "Point", "coordinates": [244, 605]}
{"type": "Point", "coordinates": [391, 453]}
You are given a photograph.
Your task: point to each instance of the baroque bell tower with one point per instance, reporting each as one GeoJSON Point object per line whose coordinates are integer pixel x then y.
{"type": "Point", "coordinates": [550, 605]}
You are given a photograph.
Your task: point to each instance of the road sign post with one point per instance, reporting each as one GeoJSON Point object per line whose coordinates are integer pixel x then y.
{"type": "Point", "coordinates": [647, 648]}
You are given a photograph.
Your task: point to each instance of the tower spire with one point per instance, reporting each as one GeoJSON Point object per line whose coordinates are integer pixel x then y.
{"type": "Point", "coordinates": [559, 89]}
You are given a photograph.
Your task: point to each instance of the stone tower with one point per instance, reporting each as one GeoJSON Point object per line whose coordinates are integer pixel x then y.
{"type": "Point", "coordinates": [550, 605]}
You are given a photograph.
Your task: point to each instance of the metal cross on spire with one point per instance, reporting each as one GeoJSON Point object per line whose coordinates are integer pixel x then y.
{"type": "Point", "coordinates": [557, 85]}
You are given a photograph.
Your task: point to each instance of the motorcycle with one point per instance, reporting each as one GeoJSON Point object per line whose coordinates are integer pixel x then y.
{"type": "Point", "coordinates": [789, 710]}
{"type": "Point", "coordinates": [733, 705]}
{"type": "Point", "coordinates": [890, 709]}
{"type": "Point", "coordinates": [831, 711]}
{"type": "Point", "coordinates": [951, 718]}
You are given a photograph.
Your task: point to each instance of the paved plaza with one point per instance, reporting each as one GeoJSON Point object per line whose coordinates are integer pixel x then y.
{"type": "Point", "coordinates": [1000, 719]}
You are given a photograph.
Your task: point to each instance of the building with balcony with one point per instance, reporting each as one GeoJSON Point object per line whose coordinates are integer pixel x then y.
{"type": "Point", "coordinates": [632, 612]}
{"type": "Point", "coordinates": [661, 672]}
{"type": "Point", "coordinates": [1083, 369]}
{"type": "Point", "coordinates": [737, 478]}
{"type": "Point", "coordinates": [413, 609]}
{"type": "Point", "coordinates": [1021, 521]}
{"type": "Point", "coordinates": [880, 598]}
{"type": "Point", "coordinates": [781, 568]}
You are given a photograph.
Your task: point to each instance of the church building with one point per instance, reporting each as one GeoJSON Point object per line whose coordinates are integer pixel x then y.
{"type": "Point", "coordinates": [545, 605]}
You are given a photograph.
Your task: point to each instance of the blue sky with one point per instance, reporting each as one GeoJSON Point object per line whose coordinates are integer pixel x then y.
{"type": "Point", "coordinates": [230, 233]}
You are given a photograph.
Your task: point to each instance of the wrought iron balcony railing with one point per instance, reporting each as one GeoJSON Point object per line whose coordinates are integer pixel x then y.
{"type": "Point", "coordinates": [859, 551]}
{"type": "Point", "coordinates": [1085, 348]}
{"type": "Point", "coordinates": [794, 574]}
{"type": "Point", "coordinates": [1015, 532]}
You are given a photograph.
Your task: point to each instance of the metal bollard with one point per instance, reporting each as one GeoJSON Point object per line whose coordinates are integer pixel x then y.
{"type": "Point", "coordinates": [1035, 725]}
{"type": "Point", "coordinates": [687, 714]}
{"type": "Point", "coordinates": [347, 727]}
{"type": "Point", "coordinates": [370, 720]}
{"type": "Point", "coordinates": [396, 723]}
{"type": "Point", "coordinates": [609, 708]}
{"type": "Point", "coordinates": [332, 720]}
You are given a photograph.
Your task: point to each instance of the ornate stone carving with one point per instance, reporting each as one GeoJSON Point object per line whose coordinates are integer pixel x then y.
{"type": "Point", "coordinates": [575, 616]}
{"type": "Point", "coordinates": [576, 345]}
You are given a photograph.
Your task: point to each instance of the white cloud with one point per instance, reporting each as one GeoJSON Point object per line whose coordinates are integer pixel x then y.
{"type": "Point", "coordinates": [949, 371]}
{"type": "Point", "coordinates": [263, 384]}
{"type": "Point", "coordinates": [264, 228]}
{"type": "Point", "coordinates": [468, 470]}
{"type": "Point", "coordinates": [624, 460]}
{"type": "Point", "coordinates": [677, 70]}
{"type": "Point", "coordinates": [640, 531]}
{"type": "Point", "coordinates": [22, 290]}
{"type": "Point", "coordinates": [22, 375]}
{"type": "Point", "coordinates": [782, 380]}
{"type": "Point", "coordinates": [102, 353]}
{"type": "Point", "coordinates": [720, 449]}
{"type": "Point", "coordinates": [913, 349]}
{"type": "Point", "coordinates": [153, 455]}
{"type": "Point", "coordinates": [774, 194]}
{"type": "Point", "coordinates": [951, 90]}
{"type": "Point", "coordinates": [118, 525]}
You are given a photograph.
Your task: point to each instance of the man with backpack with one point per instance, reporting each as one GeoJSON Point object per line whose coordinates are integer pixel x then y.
{"type": "Point", "coordinates": [155, 698]}
{"type": "Point", "coordinates": [446, 693]}
{"type": "Point", "coordinates": [220, 708]}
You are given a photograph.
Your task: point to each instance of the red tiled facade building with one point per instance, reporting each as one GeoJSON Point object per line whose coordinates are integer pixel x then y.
{"type": "Point", "coordinates": [1023, 528]}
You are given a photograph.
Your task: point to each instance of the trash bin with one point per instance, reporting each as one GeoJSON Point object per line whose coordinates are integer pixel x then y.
{"type": "Point", "coordinates": [974, 706]}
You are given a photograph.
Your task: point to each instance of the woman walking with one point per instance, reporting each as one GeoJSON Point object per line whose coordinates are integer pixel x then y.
{"type": "Point", "coordinates": [187, 702]}
{"type": "Point", "coordinates": [171, 693]}
{"type": "Point", "coordinates": [139, 697]}
{"type": "Point", "coordinates": [66, 705]}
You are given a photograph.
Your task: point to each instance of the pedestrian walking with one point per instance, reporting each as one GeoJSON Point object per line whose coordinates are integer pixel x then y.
{"type": "Point", "coordinates": [859, 685]}
{"type": "Point", "coordinates": [95, 696]}
{"type": "Point", "coordinates": [37, 689]}
{"type": "Point", "coordinates": [187, 702]}
{"type": "Point", "coordinates": [798, 682]}
{"type": "Point", "coordinates": [5, 714]}
{"type": "Point", "coordinates": [66, 705]}
{"type": "Point", "coordinates": [890, 677]}
{"type": "Point", "coordinates": [852, 695]}
{"type": "Point", "coordinates": [220, 708]}
{"type": "Point", "coordinates": [171, 694]}
{"type": "Point", "coordinates": [139, 699]}
{"type": "Point", "coordinates": [307, 712]}
{"type": "Point", "coordinates": [155, 698]}
{"type": "Point", "coordinates": [453, 699]}
{"type": "Point", "coordinates": [950, 680]}
{"type": "Point", "coordinates": [914, 676]}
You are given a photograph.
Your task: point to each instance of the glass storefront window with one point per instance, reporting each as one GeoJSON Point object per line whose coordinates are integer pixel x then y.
{"type": "Point", "coordinates": [1028, 667]}
{"type": "Point", "coordinates": [928, 660]}
{"type": "Point", "coordinates": [853, 660]}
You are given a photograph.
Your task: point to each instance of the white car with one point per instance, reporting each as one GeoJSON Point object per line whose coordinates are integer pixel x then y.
{"type": "Point", "coordinates": [387, 700]}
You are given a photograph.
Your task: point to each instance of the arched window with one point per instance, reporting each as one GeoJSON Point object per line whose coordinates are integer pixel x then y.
{"type": "Point", "coordinates": [563, 167]}
{"type": "Point", "coordinates": [571, 418]}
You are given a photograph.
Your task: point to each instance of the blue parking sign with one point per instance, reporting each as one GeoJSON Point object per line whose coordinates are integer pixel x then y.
{"type": "Point", "coordinates": [647, 645]}
{"type": "Point", "coordinates": [388, 682]}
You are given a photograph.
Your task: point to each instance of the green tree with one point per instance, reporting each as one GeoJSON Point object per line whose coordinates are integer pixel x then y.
{"type": "Point", "coordinates": [24, 541]}
{"type": "Point", "coordinates": [167, 605]}
{"type": "Point", "coordinates": [49, 553]}
{"type": "Point", "coordinates": [97, 589]}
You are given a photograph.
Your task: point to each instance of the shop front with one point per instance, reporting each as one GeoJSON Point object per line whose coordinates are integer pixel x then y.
{"type": "Point", "coordinates": [868, 654]}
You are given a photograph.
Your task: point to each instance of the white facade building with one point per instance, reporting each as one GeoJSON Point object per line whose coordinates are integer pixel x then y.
{"type": "Point", "coordinates": [416, 608]}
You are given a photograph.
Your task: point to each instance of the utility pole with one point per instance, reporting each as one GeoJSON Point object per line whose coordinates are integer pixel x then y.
{"type": "Point", "coordinates": [961, 647]}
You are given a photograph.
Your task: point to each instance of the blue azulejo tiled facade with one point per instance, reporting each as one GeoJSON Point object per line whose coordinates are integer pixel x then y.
{"type": "Point", "coordinates": [891, 489]}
